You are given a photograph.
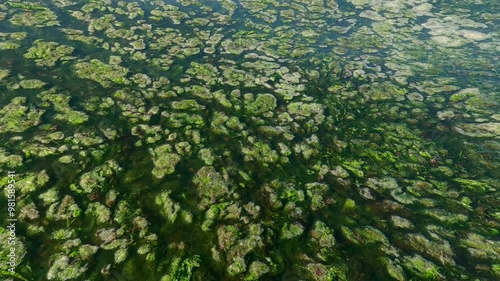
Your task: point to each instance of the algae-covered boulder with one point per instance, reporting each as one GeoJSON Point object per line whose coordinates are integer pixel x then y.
{"type": "Point", "coordinates": [65, 268]}
{"type": "Point", "coordinates": [207, 155]}
{"type": "Point", "coordinates": [48, 53]}
{"type": "Point", "coordinates": [383, 184]}
{"type": "Point", "coordinates": [17, 117]}
{"type": "Point", "coordinates": [422, 268]}
{"type": "Point", "coordinates": [318, 271]}
{"type": "Point", "coordinates": [31, 84]}
{"type": "Point", "coordinates": [36, 18]}
{"type": "Point", "coordinates": [302, 111]}
{"type": "Point", "coordinates": [260, 152]}
{"type": "Point", "coordinates": [141, 79]}
{"type": "Point", "coordinates": [165, 160]}
{"type": "Point", "coordinates": [205, 72]}
{"type": "Point", "coordinates": [262, 103]}
{"type": "Point", "coordinates": [290, 231]}
{"type": "Point", "coordinates": [9, 45]}
{"type": "Point", "coordinates": [188, 104]}
{"type": "Point", "coordinates": [102, 73]}
{"type": "Point", "coordinates": [4, 73]}
{"type": "Point", "coordinates": [182, 269]}
{"type": "Point", "coordinates": [12, 248]}
{"type": "Point", "coordinates": [50, 196]}
{"type": "Point", "coordinates": [256, 270]}
{"type": "Point", "coordinates": [479, 130]}
{"type": "Point", "coordinates": [73, 117]}
{"type": "Point", "coordinates": [63, 210]}
{"type": "Point", "coordinates": [98, 179]}
{"type": "Point", "coordinates": [210, 186]}
{"type": "Point", "coordinates": [238, 266]}
{"type": "Point", "coordinates": [317, 193]}
{"type": "Point", "coordinates": [322, 240]}
{"type": "Point", "coordinates": [10, 160]}
{"type": "Point", "coordinates": [402, 223]}
{"type": "Point", "coordinates": [99, 211]}
{"type": "Point", "coordinates": [480, 248]}
{"type": "Point", "coordinates": [437, 250]}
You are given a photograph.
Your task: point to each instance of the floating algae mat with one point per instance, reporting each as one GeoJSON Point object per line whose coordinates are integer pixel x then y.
{"type": "Point", "coordinates": [249, 140]}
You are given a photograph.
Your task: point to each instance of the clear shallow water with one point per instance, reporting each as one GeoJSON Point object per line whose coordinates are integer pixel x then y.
{"type": "Point", "coordinates": [250, 140]}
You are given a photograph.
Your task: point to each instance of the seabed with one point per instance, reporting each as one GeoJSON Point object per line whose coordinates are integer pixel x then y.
{"type": "Point", "coordinates": [249, 140]}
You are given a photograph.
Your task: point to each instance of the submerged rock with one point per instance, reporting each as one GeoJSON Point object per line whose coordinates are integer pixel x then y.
{"type": "Point", "coordinates": [165, 160]}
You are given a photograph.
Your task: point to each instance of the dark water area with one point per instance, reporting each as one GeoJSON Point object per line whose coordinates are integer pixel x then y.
{"type": "Point", "coordinates": [249, 140]}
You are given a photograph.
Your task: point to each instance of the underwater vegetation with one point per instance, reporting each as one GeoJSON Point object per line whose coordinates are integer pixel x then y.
{"type": "Point", "coordinates": [250, 140]}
